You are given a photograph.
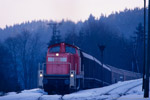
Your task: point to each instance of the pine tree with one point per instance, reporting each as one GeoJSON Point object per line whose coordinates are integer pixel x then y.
{"type": "Point", "coordinates": [138, 48]}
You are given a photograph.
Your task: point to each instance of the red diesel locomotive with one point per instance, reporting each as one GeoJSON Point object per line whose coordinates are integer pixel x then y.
{"type": "Point", "coordinates": [62, 69]}
{"type": "Point", "coordinates": [68, 68]}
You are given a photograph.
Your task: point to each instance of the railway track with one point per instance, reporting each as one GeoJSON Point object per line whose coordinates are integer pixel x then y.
{"type": "Point", "coordinates": [122, 88]}
{"type": "Point", "coordinates": [40, 98]}
{"type": "Point", "coordinates": [49, 97]}
{"type": "Point", "coordinates": [108, 92]}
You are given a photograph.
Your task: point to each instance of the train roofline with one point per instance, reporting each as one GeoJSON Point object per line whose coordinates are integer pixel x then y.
{"type": "Point", "coordinates": [94, 59]}
{"type": "Point", "coordinates": [123, 70]}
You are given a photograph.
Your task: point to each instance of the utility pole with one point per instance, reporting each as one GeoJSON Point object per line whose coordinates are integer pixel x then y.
{"type": "Point", "coordinates": [102, 47]}
{"type": "Point", "coordinates": [144, 44]}
{"type": "Point", "coordinates": [56, 33]}
{"type": "Point", "coordinates": [146, 88]}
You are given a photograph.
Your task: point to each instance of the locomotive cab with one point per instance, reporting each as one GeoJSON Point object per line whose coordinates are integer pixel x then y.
{"type": "Point", "coordinates": [61, 58]}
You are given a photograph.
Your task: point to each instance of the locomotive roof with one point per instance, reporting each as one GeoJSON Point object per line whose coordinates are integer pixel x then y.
{"type": "Point", "coordinates": [64, 43]}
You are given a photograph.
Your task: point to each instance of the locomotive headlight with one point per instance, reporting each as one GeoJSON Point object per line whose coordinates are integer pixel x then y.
{"type": "Point", "coordinates": [57, 54]}
{"type": "Point", "coordinates": [41, 75]}
{"type": "Point", "coordinates": [71, 75]}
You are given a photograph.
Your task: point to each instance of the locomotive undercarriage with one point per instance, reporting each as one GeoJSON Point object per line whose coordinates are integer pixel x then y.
{"type": "Point", "coordinates": [56, 86]}
{"type": "Point", "coordinates": [61, 85]}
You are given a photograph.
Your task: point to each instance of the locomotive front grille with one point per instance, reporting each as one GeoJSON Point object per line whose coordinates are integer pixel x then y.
{"type": "Point", "coordinates": [57, 68]}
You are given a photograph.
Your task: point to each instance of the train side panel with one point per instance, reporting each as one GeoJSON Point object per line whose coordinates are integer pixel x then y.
{"type": "Point", "coordinates": [122, 75]}
{"type": "Point", "coordinates": [93, 72]}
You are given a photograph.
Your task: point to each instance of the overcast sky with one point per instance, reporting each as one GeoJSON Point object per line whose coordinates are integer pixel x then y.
{"type": "Point", "coordinates": [17, 11]}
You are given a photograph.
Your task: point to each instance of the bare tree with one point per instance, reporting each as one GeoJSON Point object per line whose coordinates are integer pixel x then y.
{"type": "Point", "coordinates": [11, 45]}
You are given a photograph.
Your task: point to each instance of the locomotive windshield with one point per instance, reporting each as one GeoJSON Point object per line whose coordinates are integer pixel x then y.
{"type": "Point", "coordinates": [55, 49]}
{"type": "Point", "coordinates": [70, 50]}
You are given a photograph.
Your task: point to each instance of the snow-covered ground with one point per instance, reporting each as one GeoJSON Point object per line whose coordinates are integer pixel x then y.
{"type": "Point", "coordinates": [128, 90]}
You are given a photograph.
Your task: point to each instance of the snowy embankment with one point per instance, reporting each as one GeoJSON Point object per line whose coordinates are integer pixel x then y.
{"type": "Point", "coordinates": [110, 92]}
{"type": "Point", "coordinates": [129, 90]}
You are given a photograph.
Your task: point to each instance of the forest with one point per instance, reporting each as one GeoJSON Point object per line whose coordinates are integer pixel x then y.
{"type": "Point", "coordinates": [23, 46]}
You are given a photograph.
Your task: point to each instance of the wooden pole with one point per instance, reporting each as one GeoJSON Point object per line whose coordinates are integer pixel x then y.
{"type": "Point", "coordinates": [144, 44]}
{"type": "Point", "coordinates": [146, 90]}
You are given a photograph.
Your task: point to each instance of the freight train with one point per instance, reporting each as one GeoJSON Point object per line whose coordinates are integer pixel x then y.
{"type": "Point", "coordinates": [68, 68]}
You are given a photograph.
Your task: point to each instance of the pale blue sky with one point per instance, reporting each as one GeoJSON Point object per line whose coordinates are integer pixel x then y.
{"type": "Point", "coordinates": [17, 11]}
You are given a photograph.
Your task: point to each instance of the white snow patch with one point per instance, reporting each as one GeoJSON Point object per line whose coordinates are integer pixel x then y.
{"type": "Point", "coordinates": [133, 97]}
{"type": "Point", "coordinates": [21, 96]}
{"type": "Point", "coordinates": [51, 97]}
{"type": "Point", "coordinates": [37, 90]}
{"type": "Point", "coordinates": [11, 93]}
{"type": "Point", "coordinates": [32, 94]}
{"type": "Point", "coordinates": [136, 90]}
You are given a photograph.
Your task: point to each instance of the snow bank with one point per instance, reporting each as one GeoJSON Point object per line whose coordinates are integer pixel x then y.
{"type": "Point", "coordinates": [133, 97]}
{"type": "Point", "coordinates": [100, 93]}
{"type": "Point", "coordinates": [134, 94]}
{"type": "Point", "coordinates": [37, 90]}
{"type": "Point", "coordinates": [136, 90]}
{"type": "Point", "coordinates": [32, 94]}
{"type": "Point", "coordinates": [11, 93]}
{"type": "Point", "coordinates": [21, 96]}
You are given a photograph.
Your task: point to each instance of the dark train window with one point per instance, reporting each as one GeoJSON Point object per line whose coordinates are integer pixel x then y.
{"type": "Point", "coordinates": [70, 50]}
{"type": "Point", "coordinates": [55, 49]}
